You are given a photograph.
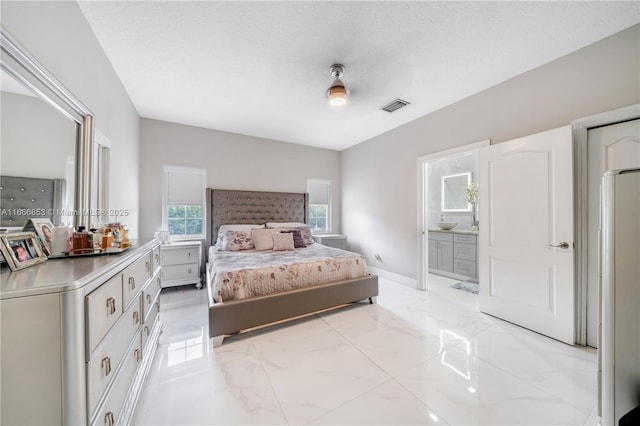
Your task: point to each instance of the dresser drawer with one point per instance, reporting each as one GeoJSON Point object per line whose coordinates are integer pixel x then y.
{"type": "Point", "coordinates": [340, 243]}
{"type": "Point", "coordinates": [104, 361]}
{"type": "Point", "coordinates": [155, 259]}
{"type": "Point", "coordinates": [150, 322]}
{"type": "Point", "coordinates": [111, 409]}
{"type": "Point", "coordinates": [177, 272]}
{"type": "Point", "coordinates": [173, 256]}
{"type": "Point", "coordinates": [464, 251]}
{"type": "Point", "coordinates": [465, 267]}
{"type": "Point", "coordinates": [463, 238]}
{"type": "Point", "coordinates": [150, 294]}
{"type": "Point", "coordinates": [104, 307]}
{"type": "Point", "coordinates": [135, 277]}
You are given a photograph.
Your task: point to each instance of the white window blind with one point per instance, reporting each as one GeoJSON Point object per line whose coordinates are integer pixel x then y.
{"type": "Point", "coordinates": [318, 192]}
{"type": "Point", "coordinates": [185, 187]}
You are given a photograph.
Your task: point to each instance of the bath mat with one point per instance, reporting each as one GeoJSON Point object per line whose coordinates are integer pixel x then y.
{"type": "Point", "coordinates": [469, 286]}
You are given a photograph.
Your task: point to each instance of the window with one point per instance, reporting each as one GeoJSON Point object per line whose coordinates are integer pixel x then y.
{"type": "Point", "coordinates": [319, 205]}
{"type": "Point", "coordinates": [183, 202]}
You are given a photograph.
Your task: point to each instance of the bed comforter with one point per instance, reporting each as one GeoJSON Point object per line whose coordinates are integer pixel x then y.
{"type": "Point", "coordinates": [248, 273]}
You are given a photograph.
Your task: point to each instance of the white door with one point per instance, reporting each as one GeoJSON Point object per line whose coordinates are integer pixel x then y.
{"type": "Point", "coordinates": [526, 233]}
{"type": "Point", "coordinates": [612, 147]}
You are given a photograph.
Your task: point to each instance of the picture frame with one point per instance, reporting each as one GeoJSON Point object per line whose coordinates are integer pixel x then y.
{"type": "Point", "coordinates": [44, 230]}
{"type": "Point", "coordinates": [21, 250]}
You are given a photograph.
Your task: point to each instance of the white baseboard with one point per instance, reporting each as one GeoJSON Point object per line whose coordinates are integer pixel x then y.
{"type": "Point", "coordinates": [400, 279]}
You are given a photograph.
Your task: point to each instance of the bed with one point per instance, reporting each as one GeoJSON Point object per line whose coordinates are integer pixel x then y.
{"type": "Point", "coordinates": [301, 291]}
{"type": "Point", "coordinates": [24, 198]}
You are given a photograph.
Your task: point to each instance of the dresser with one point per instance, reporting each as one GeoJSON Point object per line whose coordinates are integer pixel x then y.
{"type": "Point", "coordinates": [454, 254]}
{"type": "Point", "coordinates": [78, 337]}
{"type": "Point", "coordinates": [331, 240]}
{"type": "Point", "coordinates": [181, 262]}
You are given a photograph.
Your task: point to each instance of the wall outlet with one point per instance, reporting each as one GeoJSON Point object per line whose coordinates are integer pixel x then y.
{"type": "Point", "coordinates": [377, 257]}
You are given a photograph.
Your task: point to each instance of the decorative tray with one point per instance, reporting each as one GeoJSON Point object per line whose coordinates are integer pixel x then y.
{"type": "Point", "coordinates": [92, 252]}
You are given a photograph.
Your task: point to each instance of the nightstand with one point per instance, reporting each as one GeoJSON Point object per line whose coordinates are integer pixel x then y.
{"type": "Point", "coordinates": [181, 262]}
{"type": "Point", "coordinates": [332, 240]}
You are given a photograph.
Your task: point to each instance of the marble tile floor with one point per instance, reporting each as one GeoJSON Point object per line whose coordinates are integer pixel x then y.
{"type": "Point", "coordinates": [413, 358]}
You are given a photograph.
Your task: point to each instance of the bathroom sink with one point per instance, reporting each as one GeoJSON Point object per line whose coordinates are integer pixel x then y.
{"type": "Point", "coordinates": [445, 226]}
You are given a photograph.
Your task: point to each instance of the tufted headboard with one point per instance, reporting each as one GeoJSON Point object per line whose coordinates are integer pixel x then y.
{"type": "Point", "coordinates": [230, 207]}
{"type": "Point", "coordinates": [23, 198]}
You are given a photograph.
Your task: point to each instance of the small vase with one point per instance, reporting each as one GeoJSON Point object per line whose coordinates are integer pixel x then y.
{"type": "Point", "coordinates": [475, 223]}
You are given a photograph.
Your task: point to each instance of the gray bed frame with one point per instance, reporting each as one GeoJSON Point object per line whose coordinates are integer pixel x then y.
{"type": "Point", "coordinates": [257, 207]}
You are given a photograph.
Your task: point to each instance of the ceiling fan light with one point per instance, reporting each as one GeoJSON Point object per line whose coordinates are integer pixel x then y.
{"type": "Point", "coordinates": [337, 96]}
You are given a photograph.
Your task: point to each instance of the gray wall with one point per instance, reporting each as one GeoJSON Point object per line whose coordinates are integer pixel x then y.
{"type": "Point", "coordinates": [232, 161]}
{"type": "Point", "coordinates": [59, 37]}
{"type": "Point", "coordinates": [379, 176]}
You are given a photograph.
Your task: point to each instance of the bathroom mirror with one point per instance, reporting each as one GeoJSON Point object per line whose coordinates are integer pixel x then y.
{"type": "Point", "coordinates": [47, 134]}
{"type": "Point", "coordinates": [453, 187]}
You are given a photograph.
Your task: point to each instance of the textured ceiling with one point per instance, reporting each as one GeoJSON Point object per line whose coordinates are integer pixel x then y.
{"type": "Point", "coordinates": [262, 68]}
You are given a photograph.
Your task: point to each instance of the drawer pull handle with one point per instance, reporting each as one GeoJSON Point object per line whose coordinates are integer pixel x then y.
{"type": "Point", "coordinates": [108, 419]}
{"type": "Point", "coordinates": [132, 283]}
{"type": "Point", "coordinates": [111, 306]}
{"type": "Point", "coordinates": [156, 257]}
{"type": "Point", "coordinates": [147, 330]}
{"type": "Point", "coordinates": [148, 299]}
{"type": "Point", "coordinates": [136, 354]}
{"type": "Point", "coordinates": [189, 254]}
{"type": "Point", "coordinates": [106, 365]}
{"type": "Point", "coordinates": [136, 317]}
{"type": "Point", "coordinates": [147, 266]}
{"type": "Point", "coordinates": [189, 271]}
{"type": "Point", "coordinates": [158, 280]}
{"type": "Point", "coordinates": [158, 306]}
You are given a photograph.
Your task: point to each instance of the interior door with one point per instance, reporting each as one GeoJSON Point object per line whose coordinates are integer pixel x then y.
{"type": "Point", "coordinates": [526, 235]}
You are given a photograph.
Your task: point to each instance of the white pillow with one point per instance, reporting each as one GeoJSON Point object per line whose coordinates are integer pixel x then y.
{"type": "Point", "coordinates": [282, 242]}
{"type": "Point", "coordinates": [263, 238]}
{"type": "Point", "coordinates": [284, 224]}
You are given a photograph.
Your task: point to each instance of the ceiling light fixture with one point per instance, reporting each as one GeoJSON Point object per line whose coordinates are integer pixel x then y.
{"type": "Point", "coordinates": [337, 93]}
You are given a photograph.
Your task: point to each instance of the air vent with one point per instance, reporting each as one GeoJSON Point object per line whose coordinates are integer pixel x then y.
{"type": "Point", "coordinates": [395, 105]}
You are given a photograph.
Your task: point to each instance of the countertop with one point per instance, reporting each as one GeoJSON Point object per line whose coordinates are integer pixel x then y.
{"type": "Point", "coordinates": [60, 275]}
{"type": "Point", "coordinates": [455, 231]}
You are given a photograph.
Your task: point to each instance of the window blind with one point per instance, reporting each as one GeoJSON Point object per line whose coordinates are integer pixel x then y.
{"type": "Point", "coordinates": [184, 188]}
{"type": "Point", "coordinates": [318, 192]}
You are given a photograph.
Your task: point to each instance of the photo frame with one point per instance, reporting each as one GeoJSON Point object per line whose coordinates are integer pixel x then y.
{"type": "Point", "coordinates": [43, 229]}
{"type": "Point", "coordinates": [21, 250]}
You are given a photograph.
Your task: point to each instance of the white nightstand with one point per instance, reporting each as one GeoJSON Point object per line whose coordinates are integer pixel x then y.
{"type": "Point", "coordinates": [332, 240]}
{"type": "Point", "coordinates": [181, 262]}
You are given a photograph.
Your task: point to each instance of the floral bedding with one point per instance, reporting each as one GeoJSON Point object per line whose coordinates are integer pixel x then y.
{"type": "Point", "coordinates": [244, 274]}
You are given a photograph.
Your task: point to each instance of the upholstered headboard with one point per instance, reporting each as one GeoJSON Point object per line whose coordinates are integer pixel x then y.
{"type": "Point", "coordinates": [230, 207]}
{"type": "Point", "coordinates": [23, 198]}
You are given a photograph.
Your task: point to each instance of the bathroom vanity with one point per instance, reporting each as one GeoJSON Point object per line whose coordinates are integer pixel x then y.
{"type": "Point", "coordinates": [454, 254]}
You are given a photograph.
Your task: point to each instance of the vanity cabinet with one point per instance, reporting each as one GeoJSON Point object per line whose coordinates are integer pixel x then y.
{"type": "Point", "coordinates": [453, 254]}
{"type": "Point", "coordinates": [78, 337]}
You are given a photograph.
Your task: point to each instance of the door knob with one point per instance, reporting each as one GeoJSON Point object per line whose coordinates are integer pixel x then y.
{"type": "Point", "coordinates": [562, 245]}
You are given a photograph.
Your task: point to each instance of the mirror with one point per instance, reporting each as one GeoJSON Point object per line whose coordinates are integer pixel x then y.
{"type": "Point", "coordinates": [453, 187]}
{"type": "Point", "coordinates": [46, 134]}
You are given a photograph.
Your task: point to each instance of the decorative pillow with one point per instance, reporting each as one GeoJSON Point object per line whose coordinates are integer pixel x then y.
{"type": "Point", "coordinates": [237, 240]}
{"type": "Point", "coordinates": [305, 231]}
{"type": "Point", "coordinates": [283, 241]}
{"type": "Point", "coordinates": [263, 238]}
{"type": "Point", "coordinates": [234, 227]}
{"type": "Point", "coordinates": [298, 241]}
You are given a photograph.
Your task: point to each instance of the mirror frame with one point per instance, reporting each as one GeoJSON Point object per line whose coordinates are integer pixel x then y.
{"type": "Point", "coordinates": [468, 206]}
{"type": "Point", "coordinates": [16, 61]}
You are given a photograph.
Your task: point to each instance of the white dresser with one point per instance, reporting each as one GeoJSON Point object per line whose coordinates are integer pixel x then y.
{"type": "Point", "coordinates": [78, 337]}
{"type": "Point", "coordinates": [181, 262]}
{"type": "Point", "coordinates": [331, 240]}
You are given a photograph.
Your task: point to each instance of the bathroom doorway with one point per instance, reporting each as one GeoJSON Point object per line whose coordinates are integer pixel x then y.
{"type": "Point", "coordinates": [447, 240]}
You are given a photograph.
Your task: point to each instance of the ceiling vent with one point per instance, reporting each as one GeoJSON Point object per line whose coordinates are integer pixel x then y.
{"type": "Point", "coordinates": [395, 105]}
